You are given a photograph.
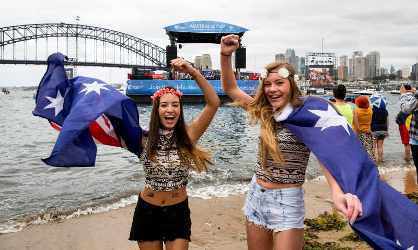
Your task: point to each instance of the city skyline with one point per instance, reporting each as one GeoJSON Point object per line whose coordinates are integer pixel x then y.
{"type": "Point", "coordinates": [341, 27]}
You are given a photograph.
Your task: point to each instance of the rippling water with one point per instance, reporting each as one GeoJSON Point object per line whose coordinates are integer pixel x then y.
{"type": "Point", "coordinates": [34, 192]}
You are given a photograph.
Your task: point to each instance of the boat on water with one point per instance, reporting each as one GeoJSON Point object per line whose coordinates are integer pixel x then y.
{"type": "Point", "coordinates": [5, 91]}
{"type": "Point", "coordinates": [395, 92]}
{"type": "Point", "coordinates": [365, 92]}
{"type": "Point", "coordinates": [316, 91]}
{"type": "Point", "coordinates": [141, 90]}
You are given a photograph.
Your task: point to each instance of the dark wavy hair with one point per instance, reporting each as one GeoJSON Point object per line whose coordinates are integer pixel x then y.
{"type": "Point", "coordinates": [187, 150]}
{"type": "Point", "coordinates": [339, 92]}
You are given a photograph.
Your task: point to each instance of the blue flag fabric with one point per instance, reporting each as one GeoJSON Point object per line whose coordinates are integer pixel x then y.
{"type": "Point", "coordinates": [86, 111]}
{"type": "Point", "coordinates": [389, 220]}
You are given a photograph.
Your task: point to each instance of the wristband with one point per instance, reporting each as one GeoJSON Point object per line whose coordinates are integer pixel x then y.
{"type": "Point", "coordinates": [223, 54]}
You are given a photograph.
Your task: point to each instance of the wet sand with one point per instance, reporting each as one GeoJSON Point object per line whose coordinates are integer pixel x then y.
{"type": "Point", "coordinates": [218, 223]}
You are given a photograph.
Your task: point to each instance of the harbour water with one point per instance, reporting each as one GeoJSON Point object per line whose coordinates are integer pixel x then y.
{"type": "Point", "coordinates": [32, 192]}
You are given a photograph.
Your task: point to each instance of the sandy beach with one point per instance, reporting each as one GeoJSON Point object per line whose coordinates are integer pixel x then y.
{"type": "Point", "coordinates": [218, 223]}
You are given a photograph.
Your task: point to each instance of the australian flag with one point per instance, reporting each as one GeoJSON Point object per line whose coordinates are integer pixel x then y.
{"type": "Point", "coordinates": [86, 111]}
{"type": "Point", "coordinates": [389, 220]}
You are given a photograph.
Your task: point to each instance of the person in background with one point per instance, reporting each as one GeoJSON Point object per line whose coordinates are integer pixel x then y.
{"type": "Point", "coordinates": [364, 113]}
{"type": "Point", "coordinates": [343, 107]}
{"type": "Point", "coordinates": [404, 121]}
{"type": "Point", "coordinates": [408, 105]}
{"type": "Point", "coordinates": [379, 126]}
{"type": "Point", "coordinates": [274, 207]}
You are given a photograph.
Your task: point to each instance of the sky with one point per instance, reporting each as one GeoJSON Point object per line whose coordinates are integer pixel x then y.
{"type": "Point", "coordinates": [389, 27]}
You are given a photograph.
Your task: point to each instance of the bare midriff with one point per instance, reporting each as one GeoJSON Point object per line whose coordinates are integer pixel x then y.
{"type": "Point", "coordinates": [272, 185]}
{"type": "Point", "coordinates": [164, 198]}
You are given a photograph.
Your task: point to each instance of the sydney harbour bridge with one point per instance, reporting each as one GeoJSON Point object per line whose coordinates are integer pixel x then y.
{"type": "Point", "coordinates": [84, 45]}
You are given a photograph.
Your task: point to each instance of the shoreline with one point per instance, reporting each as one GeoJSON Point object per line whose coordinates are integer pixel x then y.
{"type": "Point", "coordinates": [217, 223]}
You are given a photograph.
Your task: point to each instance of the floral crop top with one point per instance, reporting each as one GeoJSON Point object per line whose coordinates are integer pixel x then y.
{"type": "Point", "coordinates": [167, 172]}
{"type": "Point", "coordinates": [295, 154]}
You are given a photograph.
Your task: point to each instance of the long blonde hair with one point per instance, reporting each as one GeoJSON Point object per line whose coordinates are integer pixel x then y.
{"type": "Point", "coordinates": [261, 111]}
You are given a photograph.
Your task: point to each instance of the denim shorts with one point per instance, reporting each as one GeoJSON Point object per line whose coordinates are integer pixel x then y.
{"type": "Point", "coordinates": [379, 135]}
{"type": "Point", "coordinates": [275, 209]}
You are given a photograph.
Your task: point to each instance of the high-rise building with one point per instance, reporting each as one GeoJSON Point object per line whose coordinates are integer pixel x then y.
{"type": "Point", "coordinates": [405, 72]}
{"type": "Point", "coordinates": [302, 66]}
{"type": "Point", "coordinates": [358, 53]}
{"type": "Point", "coordinates": [343, 60]}
{"type": "Point", "coordinates": [342, 70]}
{"type": "Point", "coordinates": [206, 62]}
{"type": "Point", "coordinates": [384, 71]}
{"type": "Point", "coordinates": [372, 64]}
{"type": "Point", "coordinates": [392, 70]}
{"type": "Point", "coordinates": [203, 62]}
{"type": "Point", "coordinates": [291, 58]}
{"type": "Point", "coordinates": [350, 69]}
{"type": "Point", "coordinates": [281, 58]}
{"type": "Point", "coordinates": [398, 74]}
{"type": "Point", "coordinates": [358, 70]}
{"type": "Point", "coordinates": [414, 75]}
{"type": "Point", "coordinates": [198, 62]}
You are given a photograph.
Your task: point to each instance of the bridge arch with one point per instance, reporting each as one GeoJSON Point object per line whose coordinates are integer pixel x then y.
{"type": "Point", "coordinates": [20, 33]}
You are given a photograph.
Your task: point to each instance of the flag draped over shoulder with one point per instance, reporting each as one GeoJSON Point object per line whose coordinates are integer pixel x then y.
{"type": "Point", "coordinates": [86, 111]}
{"type": "Point", "coordinates": [389, 220]}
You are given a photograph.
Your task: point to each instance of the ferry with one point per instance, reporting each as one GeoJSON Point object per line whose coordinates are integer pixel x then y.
{"type": "Point", "coordinates": [143, 83]}
{"type": "Point", "coordinates": [141, 90]}
{"type": "Point", "coordinates": [395, 92]}
{"type": "Point", "coordinates": [5, 91]}
{"type": "Point", "coordinates": [365, 92]}
{"type": "Point", "coordinates": [315, 91]}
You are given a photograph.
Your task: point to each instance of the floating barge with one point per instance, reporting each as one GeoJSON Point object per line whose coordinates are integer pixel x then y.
{"type": "Point", "coordinates": [141, 90]}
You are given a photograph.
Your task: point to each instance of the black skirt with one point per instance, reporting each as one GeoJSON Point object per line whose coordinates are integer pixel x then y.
{"type": "Point", "coordinates": [162, 223]}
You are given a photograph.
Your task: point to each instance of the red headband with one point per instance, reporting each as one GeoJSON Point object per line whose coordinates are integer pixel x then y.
{"type": "Point", "coordinates": [157, 94]}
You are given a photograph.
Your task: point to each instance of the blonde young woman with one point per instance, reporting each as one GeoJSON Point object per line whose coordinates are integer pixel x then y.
{"type": "Point", "coordinates": [162, 215]}
{"type": "Point", "coordinates": [274, 207]}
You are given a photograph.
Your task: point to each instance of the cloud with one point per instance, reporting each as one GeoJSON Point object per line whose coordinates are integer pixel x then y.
{"type": "Point", "coordinates": [274, 25]}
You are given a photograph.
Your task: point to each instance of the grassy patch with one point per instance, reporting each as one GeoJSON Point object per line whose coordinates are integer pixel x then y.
{"type": "Point", "coordinates": [351, 237]}
{"type": "Point", "coordinates": [413, 197]}
{"type": "Point", "coordinates": [315, 245]}
{"type": "Point", "coordinates": [326, 222]}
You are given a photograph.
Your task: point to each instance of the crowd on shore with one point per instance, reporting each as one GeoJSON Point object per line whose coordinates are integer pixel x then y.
{"type": "Point", "coordinates": [369, 119]}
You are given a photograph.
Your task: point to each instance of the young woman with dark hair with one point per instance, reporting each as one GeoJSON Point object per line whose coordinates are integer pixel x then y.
{"type": "Point", "coordinates": [162, 215]}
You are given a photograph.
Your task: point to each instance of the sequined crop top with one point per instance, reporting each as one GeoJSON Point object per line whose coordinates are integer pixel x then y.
{"type": "Point", "coordinates": [166, 172]}
{"type": "Point", "coordinates": [295, 154]}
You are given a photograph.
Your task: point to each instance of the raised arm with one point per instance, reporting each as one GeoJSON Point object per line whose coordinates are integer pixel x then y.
{"type": "Point", "coordinates": [229, 44]}
{"type": "Point", "coordinates": [346, 203]}
{"type": "Point", "coordinates": [199, 125]}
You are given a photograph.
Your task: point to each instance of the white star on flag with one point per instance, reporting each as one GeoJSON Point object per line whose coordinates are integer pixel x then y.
{"type": "Point", "coordinates": [94, 86]}
{"type": "Point", "coordinates": [330, 118]}
{"type": "Point", "coordinates": [57, 103]}
{"type": "Point", "coordinates": [409, 248]}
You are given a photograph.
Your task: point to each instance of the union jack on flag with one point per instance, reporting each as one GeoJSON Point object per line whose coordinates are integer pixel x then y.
{"type": "Point", "coordinates": [86, 111]}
